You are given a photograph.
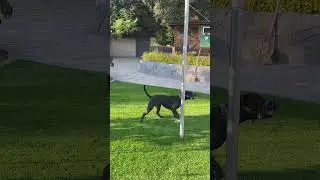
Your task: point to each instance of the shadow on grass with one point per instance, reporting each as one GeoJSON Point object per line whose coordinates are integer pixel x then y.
{"type": "Point", "coordinates": [162, 132]}
{"type": "Point", "coordinates": [51, 114]}
{"type": "Point", "coordinates": [311, 173]}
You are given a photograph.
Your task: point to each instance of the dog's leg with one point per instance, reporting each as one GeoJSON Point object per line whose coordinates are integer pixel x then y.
{"type": "Point", "coordinates": [149, 108]}
{"type": "Point", "coordinates": [158, 111]}
{"type": "Point", "coordinates": [216, 171]}
{"type": "Point", "coordinates": [175, 113]}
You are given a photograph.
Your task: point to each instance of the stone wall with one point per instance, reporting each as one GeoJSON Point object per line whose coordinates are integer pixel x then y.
{"type": "Point", "coordinates": [173, 71]}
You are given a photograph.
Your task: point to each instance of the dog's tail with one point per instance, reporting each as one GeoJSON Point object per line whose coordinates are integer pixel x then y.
{"type": "Point", "coordinates": [145, 90]}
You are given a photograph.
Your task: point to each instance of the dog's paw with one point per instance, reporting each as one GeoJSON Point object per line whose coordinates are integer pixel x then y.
{"type": "Point", "coordinates": [176, 120]}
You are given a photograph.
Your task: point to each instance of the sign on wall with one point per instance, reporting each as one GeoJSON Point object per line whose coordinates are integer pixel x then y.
{"type": "Point", "coordinates": [204, 37]}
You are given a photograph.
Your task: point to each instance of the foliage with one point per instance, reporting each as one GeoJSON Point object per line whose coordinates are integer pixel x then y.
{"type": "Point", "coordinates": [299, 6]}
{"type": "Point", "coordinates": [164, 36]}
{"type": "Point", "coordinates": [170, 11]}
{"type": "Point", "coordinates": [124, 24]}
{"type": "Point", "coordinates": [153, 15]}
{"type": "Point", "coordinates": [6, 9]}
{"type": "Point", "coordinates": [132, 13]}
{"type": "Point", "coordinates": [175, 58]}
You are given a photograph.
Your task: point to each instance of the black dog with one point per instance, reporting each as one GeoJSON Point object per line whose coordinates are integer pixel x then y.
{"type": "Point", "coordinates": [252, 107]}
{"type": "Point", "coordinates": [256, 107]}
{"type": "Point", "coordinates": [170, 102]}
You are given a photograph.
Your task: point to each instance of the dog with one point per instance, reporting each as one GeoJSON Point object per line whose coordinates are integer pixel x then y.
{"type": "Point", "coordinates": [169, 102]}
{"type": "Point", "coordinates": [252, 107]}
{"type": "Point", "coordinates": [256, 107]}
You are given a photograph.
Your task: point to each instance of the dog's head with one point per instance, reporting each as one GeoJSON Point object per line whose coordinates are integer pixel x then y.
{"type": "Point", "coordinates": [189, 95]}
{"type": "Point", "coordinates": [223, 109]}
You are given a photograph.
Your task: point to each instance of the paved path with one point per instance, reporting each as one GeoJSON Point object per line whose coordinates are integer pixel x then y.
{"type": "Point", "coordinates": [126, 70]}
{"type": "Point", "coordinates": [297, 82]}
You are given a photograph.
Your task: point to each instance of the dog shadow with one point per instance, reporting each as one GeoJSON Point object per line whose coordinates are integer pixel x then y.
{"type": "Point", "coordinates": [162, 131]}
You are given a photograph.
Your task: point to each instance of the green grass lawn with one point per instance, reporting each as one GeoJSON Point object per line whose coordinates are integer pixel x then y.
{"type": "Point", "coordinates": [153, 149]}
{"type": "Point", "coordinates": [53, 126]}
{"type": "Point", "coordinates": [51, 123]}
{"type": "Point", "coordinates": [286, 147]}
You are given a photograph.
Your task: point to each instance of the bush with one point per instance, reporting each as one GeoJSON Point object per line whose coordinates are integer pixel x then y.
{"type": "Point", "coordinates": [175, 58]}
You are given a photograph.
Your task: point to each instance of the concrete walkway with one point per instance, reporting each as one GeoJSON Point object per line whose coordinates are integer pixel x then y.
{"type": "Point", "coordinates": [126, 70]}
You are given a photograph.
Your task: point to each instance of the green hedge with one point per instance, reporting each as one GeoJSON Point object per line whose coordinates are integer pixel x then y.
{"type": "Point", "coordinates": [175, 58]}
{"type": "Point", "coordinates": [298, 6]}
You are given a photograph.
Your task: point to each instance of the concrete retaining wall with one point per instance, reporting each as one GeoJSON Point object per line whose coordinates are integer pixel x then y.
{"type": "Point", "coordinates": [123, 47]}
{"type": "Point", "coordinates": [173, 71]}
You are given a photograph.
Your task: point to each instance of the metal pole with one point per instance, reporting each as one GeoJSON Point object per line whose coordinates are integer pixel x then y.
{"type": "Point", "coordinates": [184, 57]}
{"type": "Point", "coordinates": [234, 97]}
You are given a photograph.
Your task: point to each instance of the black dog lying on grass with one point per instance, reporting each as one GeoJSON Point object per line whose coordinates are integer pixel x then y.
{"type": "Point", "coordinates": [255, 107]}
{"type": "Point", "coordinates": [170, 102]}
{"type": "Point", "coordinates": [252, 107]}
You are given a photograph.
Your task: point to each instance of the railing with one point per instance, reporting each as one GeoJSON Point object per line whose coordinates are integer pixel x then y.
{"type": "Point", "coordinates": [171, 49]}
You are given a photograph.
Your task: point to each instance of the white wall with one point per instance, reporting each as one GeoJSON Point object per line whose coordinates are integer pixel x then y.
{"type": "Point", "coordinates": [123, 48]}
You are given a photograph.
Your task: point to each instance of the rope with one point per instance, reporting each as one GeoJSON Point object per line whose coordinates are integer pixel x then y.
{"type": "Point", "coordinates": [199, 13]}
{"type": "Point", "coordinates": [267, 40]}
{"type": "Point", "coordinates": [196, 69]}
{"type": "Point", "coordinates": [197, 79]}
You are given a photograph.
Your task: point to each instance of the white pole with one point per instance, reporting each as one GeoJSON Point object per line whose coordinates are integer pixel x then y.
{"type": "Point", "coordinates": [184, 57]}
{"type": "Point", "coordinates": [234, 97]}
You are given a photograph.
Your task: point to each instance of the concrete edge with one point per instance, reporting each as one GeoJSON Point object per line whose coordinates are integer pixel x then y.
{"type": "Point", "coordinates": [173, 71]}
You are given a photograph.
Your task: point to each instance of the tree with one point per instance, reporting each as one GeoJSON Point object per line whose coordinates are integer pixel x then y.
{"type": "Point", "coordinates": [170, 11]}
{"type": "Point", "coordinates": [164, 36]}
{"type": "Point", "coordinates": [124, 23]}
{"type": "Point", "coordinates": [150, 17]}
{"type": "Point", "coordinates": [132, 17]}
{"type": "Point", "coordinates": [5, 10]}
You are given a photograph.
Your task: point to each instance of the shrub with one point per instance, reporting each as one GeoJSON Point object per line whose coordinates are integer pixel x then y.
{"type": "Point", "coordinates": [175, 58]}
